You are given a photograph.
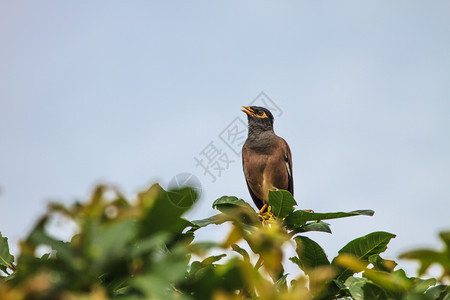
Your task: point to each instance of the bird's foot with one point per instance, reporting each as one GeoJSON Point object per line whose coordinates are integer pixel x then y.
{"type": "Point", "coordinates": [265, 215]}
{"type": "Point", "coordinates": [263, 208]}
{"type": "Point", "coordinates": [266, 218]}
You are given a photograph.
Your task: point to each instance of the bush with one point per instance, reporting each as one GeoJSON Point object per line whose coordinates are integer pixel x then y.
{"type": "Point", "coordinates": [145, 249]}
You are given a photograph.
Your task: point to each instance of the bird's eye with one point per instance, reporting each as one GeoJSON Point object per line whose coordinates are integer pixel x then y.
{"type": "Point", "coordinates": [262, 114]}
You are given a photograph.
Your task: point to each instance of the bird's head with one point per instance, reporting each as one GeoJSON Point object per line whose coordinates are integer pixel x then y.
{"type": "Point", "coordinates": [259, 118]}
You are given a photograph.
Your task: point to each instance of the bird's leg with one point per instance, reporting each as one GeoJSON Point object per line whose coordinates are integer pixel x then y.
{"type": "Point", "coordinates": [261, 214]}
{"type": "Point", "coordinates": [263, 208]}
{"type": "Point", "coordinates": [265, 214]}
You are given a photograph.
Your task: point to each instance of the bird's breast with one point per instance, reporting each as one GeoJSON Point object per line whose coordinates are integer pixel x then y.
{"type": "Point", "coordinates": [265, 172]}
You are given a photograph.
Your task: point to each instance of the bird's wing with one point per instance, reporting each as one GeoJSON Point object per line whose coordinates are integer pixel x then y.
{"type": "Point", "coordinates": [246, 158]}
{"type": "Point", "coordinates": [258, 202]}
{"type": "Point", "coordinates": [288, 162]}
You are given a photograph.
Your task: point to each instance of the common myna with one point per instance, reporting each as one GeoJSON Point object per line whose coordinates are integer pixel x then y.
{"type": "Point", "coordinates": [266, 157]}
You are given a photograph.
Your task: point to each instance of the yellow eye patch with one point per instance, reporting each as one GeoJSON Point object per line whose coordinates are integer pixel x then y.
{"type": "Point", "coordinates": [263, 115]}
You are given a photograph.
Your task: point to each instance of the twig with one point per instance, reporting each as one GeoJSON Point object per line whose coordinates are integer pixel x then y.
{"type": "Point", "coordinates": [259, 263]}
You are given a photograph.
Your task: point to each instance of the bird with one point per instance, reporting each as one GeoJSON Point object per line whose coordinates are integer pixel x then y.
{"type": "Point", "coordinates": [266, 157]}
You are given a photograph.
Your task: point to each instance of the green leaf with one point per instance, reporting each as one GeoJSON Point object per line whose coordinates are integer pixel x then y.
{"type": "Point", "coordinates": [158, 281]}
{"type": "Point", "coordinates": [231, 276]}
{"type": "Point", "coordinates": [427, 257]}
{"type": "Point", "coordinates": [149, 244]}
{"type": "Point", "coordinates": [421, 285]}
{"type": "Point", "coordinates": [438, 292]}
{"type": "Point", "coordinates": [241, 251]}
{"type": "Point", "coordinates": [382, 264]}
{"type": "Point", "coordinates": [236, 210]}
{"type": "Point", "coordinates": [164, 209]}
{"type": "Point", "coordinates": [212, 259]}
{"type": "Point", "coordinates": [202, 248]}
{"type": "Point", "coordinates": [281, 284]}
{"type": "Point", "coordinates": [161, 275]}
{"type": "Point", "coordinates": [282, 203]}
{"type": "Point", "coordinates": [364, 247]}
{"type": "Point", "coordinates": [310, 254]}
{"type": "Point", "coordinates": [203, 280]}
{"type": "Point", "coordinates": [340, 284]}
{"type": "Point", "coordinates": [445, 237]}
{"type": "Point", "coordinates": [216, 220]}
{"type": "Point", "coordinates": [38, 236]}
{"type": "Point", "coordinates": [6, 259]}
{"type": "Point", "coordinates": [313, 226]}
{"type": "Point", "coordinates": [300, 217]}
{"type": "Point", "coordinates": [112, 238]}
{"type": "Point", "coordinates": [226, 202]}
{"type": "Point", "coordinates": [364, 289]}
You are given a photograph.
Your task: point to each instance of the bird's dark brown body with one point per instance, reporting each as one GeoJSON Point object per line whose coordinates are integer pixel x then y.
{"type": "Point", "coordinates": [266, 157]}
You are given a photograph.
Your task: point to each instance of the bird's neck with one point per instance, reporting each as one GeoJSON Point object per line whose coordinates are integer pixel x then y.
{"type": "Point", "coordinates": [260, 141]}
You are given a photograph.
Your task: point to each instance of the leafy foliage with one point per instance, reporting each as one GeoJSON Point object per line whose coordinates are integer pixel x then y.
{"type": "Point", "coordinates": [145, 249]}
{"type": "Point", "coordinates": [427, 257]}
{"type": "Point", "coordinates": [281, 202]}
{"type": "Point", "coordinates": [6, 259]}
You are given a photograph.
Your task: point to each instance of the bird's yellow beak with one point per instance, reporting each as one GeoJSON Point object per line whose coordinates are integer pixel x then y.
{"type": "Point", "coordinates": [248, 110]}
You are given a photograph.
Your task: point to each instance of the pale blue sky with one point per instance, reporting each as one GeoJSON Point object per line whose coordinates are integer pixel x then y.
{"type": "Point", "coordinates": [129, 92]}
